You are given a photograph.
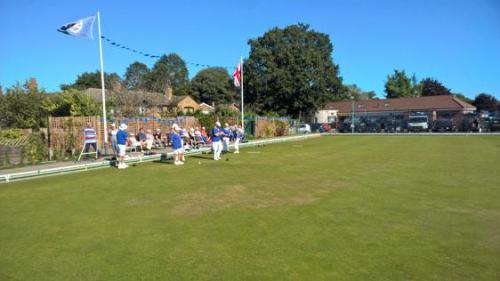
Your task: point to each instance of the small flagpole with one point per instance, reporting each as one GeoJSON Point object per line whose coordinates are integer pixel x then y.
{"type": "Point", "coordinates": [103, 90]}
{"type": "Point", "coordinates": [242, 112]}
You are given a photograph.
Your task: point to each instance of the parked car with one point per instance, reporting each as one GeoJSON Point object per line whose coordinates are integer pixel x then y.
{"type": "Point", "coordinates": [491, 123]}
{"type": "Point", "coordinates": [347, 125]}
{"type": "Point", "coordinates": [304, 129]}
{"type": "Point", "coordinates": [444, 125]}
{"type": "Point", "coordinates": [388, 125]}
{"type": "Point", "coordinates": [325, 128]}
{"type": "Point", "coordinates": [494, 124]}
{"type": "Point", "coordinates": [418, 122]}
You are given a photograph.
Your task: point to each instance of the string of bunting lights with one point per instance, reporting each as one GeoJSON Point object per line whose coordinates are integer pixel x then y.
{"type": "Point", "coordinates": [139, 52]}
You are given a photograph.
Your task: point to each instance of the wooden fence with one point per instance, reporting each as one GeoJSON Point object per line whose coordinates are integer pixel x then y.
{"type": "Point", "coordinates": [11, 150]}
{"type": "Point", "coordinates": [66, 133]}
{"type": "Point", "coordinates": [10, 155]}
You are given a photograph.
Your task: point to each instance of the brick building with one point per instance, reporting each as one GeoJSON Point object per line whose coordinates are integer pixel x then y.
{"type": "Point", "coordinates": [435, 107]}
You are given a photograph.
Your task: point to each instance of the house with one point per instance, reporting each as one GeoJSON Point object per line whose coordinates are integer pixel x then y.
{"type": "Point", "coordinates": [436, 107]}
{"type": "Point", "coordinates": [137, 103]}
{"type": "Point", "coordinates": [206, 108]}
{"type": "Point", "coordinates": [184, 104]}
{"type": "Point", "coordinates": [325, 115]}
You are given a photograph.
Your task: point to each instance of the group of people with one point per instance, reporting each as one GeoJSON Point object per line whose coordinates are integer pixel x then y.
{"type": "Point", "coordinates": [221, 137]}
{"type": "Point", "coordinates": [178, 138]}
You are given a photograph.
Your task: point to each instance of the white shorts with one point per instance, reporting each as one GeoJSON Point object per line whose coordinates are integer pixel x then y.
{"type": "Point", "coordinates": [121, 149]}
{"type": "Point", "coordinates": [178, 150]}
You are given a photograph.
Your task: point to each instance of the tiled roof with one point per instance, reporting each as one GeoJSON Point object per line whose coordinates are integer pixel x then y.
{"type": "Point", "coordinates": [207, 106]}
{"type": "Point", "coordinates": [176, 100]}
{"type": "Point", "coordinates": [438, 103]}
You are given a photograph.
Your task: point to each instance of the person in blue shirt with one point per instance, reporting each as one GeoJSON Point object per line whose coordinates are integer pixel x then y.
{"type": "Point", "coordinates": [121, 141]}
{"type": "Point", "coordinates": [225, 138]}
{"type": "Point", "coordinates": [177, 148]}
{"type": "Point", "coordinates": [216, 135]}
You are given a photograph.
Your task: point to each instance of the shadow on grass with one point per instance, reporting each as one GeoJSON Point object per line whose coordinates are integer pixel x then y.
{"type": "Point", "coordinates": [169, 161]}
{"type": "Point", "coordinates": [202, 156]}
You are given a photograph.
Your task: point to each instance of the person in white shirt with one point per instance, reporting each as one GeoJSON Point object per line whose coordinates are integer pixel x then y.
{"type": "Point", "coordinates": [150, 139]}
{"type": "Point", "coordinates": [114, 145]}
{"type": "Point", "coordinates": [226, 138]}
{"type": "Point", "coordinates": [238, 137]}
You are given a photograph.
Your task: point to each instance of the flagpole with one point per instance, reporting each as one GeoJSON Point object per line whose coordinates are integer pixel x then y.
{"type": "Point", "coordinates": [103, 90]}
{"type": "Point", "coordinates": [242, 111]}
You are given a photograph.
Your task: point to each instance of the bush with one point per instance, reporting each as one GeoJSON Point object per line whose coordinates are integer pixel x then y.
{"type": "Point", "coordinates": [11, 134]}
{"type": "Point", "coordinates": [249, 137]}
{"type": "Point", "coordinates": [35, 150]}
{"type": "Point", "coordinates": [269, 130]}
{"type": "Point", "coordinates": [281, 127]}
{"type": "Point", "coordinates": [208, 120]}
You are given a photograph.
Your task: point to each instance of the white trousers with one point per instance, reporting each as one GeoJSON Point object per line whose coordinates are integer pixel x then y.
{"type": "Point", "coordinates": [237, 144]}
{"type": "Point", "coordinates": [217, 148]}
{"type": "Point", "coordinates": [225, 141]}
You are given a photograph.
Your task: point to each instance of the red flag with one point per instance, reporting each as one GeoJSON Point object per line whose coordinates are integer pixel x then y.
{"type": "Point", "coordinates": [237, 76]}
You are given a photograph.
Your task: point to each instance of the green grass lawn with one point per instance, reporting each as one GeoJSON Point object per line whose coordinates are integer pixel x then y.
{"type": "Point", "coordinates": [331, 208]}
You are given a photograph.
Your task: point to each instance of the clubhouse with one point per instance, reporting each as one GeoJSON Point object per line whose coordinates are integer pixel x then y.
{"type": "Point", "coordinates": [436, 108]}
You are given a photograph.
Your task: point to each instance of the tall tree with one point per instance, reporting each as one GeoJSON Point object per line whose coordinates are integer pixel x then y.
{"type": "Point", "coordinates": [22, 106]}
{"type": "Point", "coordinates": [169, 70]}
{"type": "Point", "coordinates": [290, 71]}
{"type": "Point", "coordinates": [136, 76]}
{"type": "Point", "coordinates": [71, 103]}
{"type": "Point", "coordinates": [213, 85]}
{"type": "Point", "coordinates": [432, 87]}
{"type": "Point", "coordinates": [486, 102]}
{"type": "Point", "coordinates": [358, 94]}
{"type": "Point", "coordinates": [399, 85]}
{"type": "Point", "coordinates": [463, 98]}
{"type": "Point", "coordinates": [93, 80]}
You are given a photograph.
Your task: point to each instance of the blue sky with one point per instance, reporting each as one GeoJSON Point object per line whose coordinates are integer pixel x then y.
{"type": "Point", "coordinates": [456, 42]}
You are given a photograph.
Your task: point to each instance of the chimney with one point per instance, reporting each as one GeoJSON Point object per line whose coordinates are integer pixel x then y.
{"type": "Point", "coordinates": [168, 92]}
